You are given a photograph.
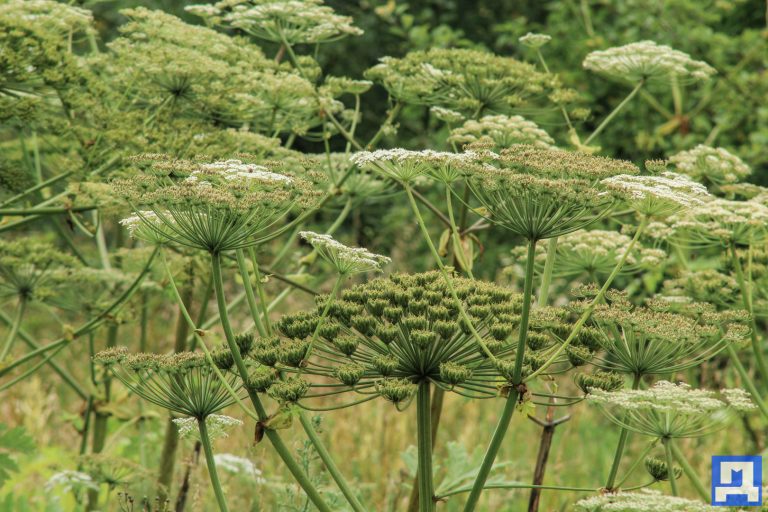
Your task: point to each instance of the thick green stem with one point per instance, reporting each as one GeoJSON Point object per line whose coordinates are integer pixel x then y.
{"type": "Point", "coordinates": [588, 311]}
{"type": "Point", "coordinates": [212, 473]}
{"type": "Point", "coordinates": [746, 297]}
{"type": "Point", "coordinates": [458, 247]}
{"type": "Point", "coordinates": [509, 407]}
{"type": "Point", "coordinates": [249, 295]}
{"type": "Point", "coordinates": [546, 277]}
{"type": "Point", "coordinates": [325, 456]}
{"type": "Point", "coordinates": [623, 434]}
{"type": "Point", "coordinates": [14, 329]}
{"type": "Point", "coordinates": [747, 381]}
{"type": "Point", "coordinates": [444, 272]}
{"type": "Point", "coordinates": [615, 111]}
{"type": "Point", "coordinates": [689, 471]}
{"type": "Point", "coordinates": [670, 467]}
{"type": "Point", "coordinates": [171, 438]}
{"type": "Point", "coordinates": [640, 458]}
{"type": "Point", "coordinates": [492, 451]}
{"type": "Point", "coordinates": [424, 441]}
{"type": "Point", "coordinates": [282, 450]}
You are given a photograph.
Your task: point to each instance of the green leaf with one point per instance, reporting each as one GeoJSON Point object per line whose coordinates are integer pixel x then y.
{"type": "Point", "coordinates": [12, 441]}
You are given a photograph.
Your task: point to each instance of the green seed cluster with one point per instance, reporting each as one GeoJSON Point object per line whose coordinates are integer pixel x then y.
{"type": "Point", "coordinates": [184, 382]}
{"type": "Point", "coordinates": [465, 80]}
{"type": "Point", "coordinates": [389, 334]}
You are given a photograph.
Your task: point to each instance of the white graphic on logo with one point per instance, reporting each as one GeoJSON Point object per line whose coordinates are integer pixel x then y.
{"type": "Point", "coordinates": [748, 488]}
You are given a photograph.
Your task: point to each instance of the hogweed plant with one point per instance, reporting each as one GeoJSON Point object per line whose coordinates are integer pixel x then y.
{"type": "Point", "coordinates": [217, 219]}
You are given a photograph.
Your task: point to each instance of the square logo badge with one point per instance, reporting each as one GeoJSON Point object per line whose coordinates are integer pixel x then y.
{"type": "Point", "coordinates": [737, 480]}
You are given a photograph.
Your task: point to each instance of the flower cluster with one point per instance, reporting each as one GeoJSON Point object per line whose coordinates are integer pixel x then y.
{"type": "Point", "coordinates": [503, 131]}
{"type": "Point", "coordinates": [669, 410]}
{"type": "Point", "coordinates": [184, 382]}
{"type": "Point", "coordinates": [542, 193]}
{"type": "Point", "coordinates": [648, 61]}
{"type": "Point", "coordinates": [711, 166]}
{"type": "Point", "coordinates": [647, 341]}
{"type": "Point", "coordinates": [594, 253]}
{"type": "Point", "coordinates": [171, 66]}
{"type": "Point", "coordinates": [346, 260]}
{"type": "Point", "coordinates": [465, 80]}
{"type": "Point", "coordinates": [32, 269]}
{"type": "Point", "coordinates": [720, 222]}
{"type": "Point", "coordinates": [535, 41]}
{"type": "Point", "coordinates": [641, 501]}
{"type": "Point", "coordinates": [390, 334]}
{"type": "Point", "coordinates": [216, 207]}
{"type": "Point", "coordinates": [280, 21]}
{"type": "Point", "coordinates": [660, 195]}
{"type": "Point", "coordinates": [403, 165]}
{"type": "Point", "coordinates": [218, 426]}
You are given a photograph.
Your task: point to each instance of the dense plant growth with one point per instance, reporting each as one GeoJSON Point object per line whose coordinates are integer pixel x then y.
{"type": "Point", "coordinates": [289, 255]}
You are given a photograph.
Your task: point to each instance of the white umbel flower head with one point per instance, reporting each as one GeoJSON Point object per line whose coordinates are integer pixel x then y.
{"type": "Point", "coordinates": [646, 60]}
{"type": "Point", "coordinates": [720, 222]}
{"type": "Point", "coordinates": [660, 195]}
{"type": "Point", "coordinates": [346, 260]}
{"type": "Point", "coordinates": [535, 41]}
{"type": "Point", "coordinates": [295, 21]}
{"type": "Point", "coordinates": [710, 165]}
{"type": "Point", "coordinates": [645, 500]}
{"type": "Point", "coordinates": [404, 165]}
{"type": "Point", "coordinates": [69, 480]}
{"type": "Point", "coordinates": [669, 410]}
{"type": "Point", "coordinates": [218, 425]}
{"type": "Point", "coordinates": [238, 466]}
{"type": "Point", "coordinates": [503, 130]}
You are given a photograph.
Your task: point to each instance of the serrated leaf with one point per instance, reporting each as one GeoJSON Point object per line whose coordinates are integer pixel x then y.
{"type": "Point", "coordinates": [12, 441]}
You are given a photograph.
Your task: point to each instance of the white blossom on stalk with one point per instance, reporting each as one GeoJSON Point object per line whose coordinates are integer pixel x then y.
{"type": "Point", "coordinates": [346, 260]}
{"type": "Point", "coordinates": [711, 165]}
{"type": "Point", "coordinates": [660, 195]}
{"type": "Point", "coordinates": [238, 466]}
{"type": "Point", "coordinates": [644, 500]}
{"type": "Point", "coordinates": [218, 425]}
{"type": "Point", "coordinates": [646, 60]}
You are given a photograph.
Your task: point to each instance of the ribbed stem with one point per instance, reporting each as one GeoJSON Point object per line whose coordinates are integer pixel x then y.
{"type": "Point", "coordinates": [509, 407]}
{"type": "Point", "coordinates": [549, 266]}
{"type": "Point", "coordinates": [746, 297]}
{"type": "Point", "coordinates": [689, 471]}
{"type": "Point", "coordinates": [424, 442]}
{"type": "Point", "coordinates": [620, 447]}
{"type": "Point", "coordinates": [212, 473]}
{"type": "Point", "coordinates": [615, 111]}
{"type": "Point", "coordinates": [670, 467]}
{"type": "Point", "coordinates": [298, 473]}
{"type": "Point", "coordinates": [14, 329]}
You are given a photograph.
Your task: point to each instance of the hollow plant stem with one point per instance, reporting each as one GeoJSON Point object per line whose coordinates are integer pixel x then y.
{"type": "Point", "coordinates": [747, 381]}
{"type": "Point", "coordinates": [619, 453]}
{"type": "Point", "coordinates": [689, 471]}
{"type": "Point", "coordinates": [212, 473]}
{"type": "Point", "coordinates": [424, 442]}
{"type": "Point", "coordinates": [746, 297]}
{"type": "Point", "coordinates": [306, 423]}
{"type": "Point", "coordinates": [588, 311]}
{"type": "Point", "coordinates": [670, 467]}
{"type": "Point", "coordinates": [549, 266]}
{"type": "Point", "coordinates": [444, 272]}
{"type": "Point", "coordinates": [171, 437]}
{"type": "Point", "coordinates": [282, 450]}
{"type": "Point", "coordinates": [14, 328]}
{"type": "Point", "coordinates": [249, 296]}
{"type": "Point", "coordinates": [614, 112]}
{"type": "Point", "coordinates": [636, 463]}
{"type": "Point", "coordinates": [514, 392]}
